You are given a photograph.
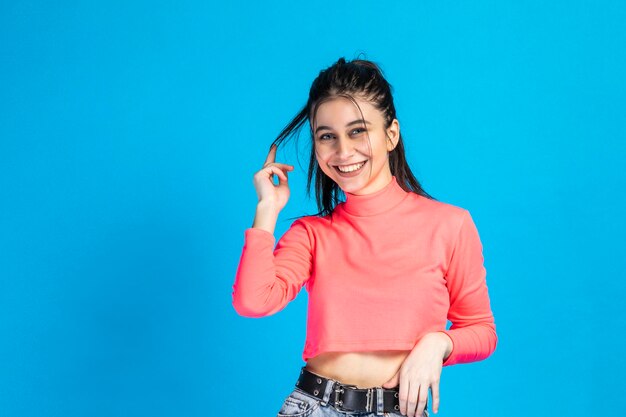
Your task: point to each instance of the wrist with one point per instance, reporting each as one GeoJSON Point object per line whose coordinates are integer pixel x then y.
{"type": "Point", "coordinates": [443, 341]}
{"type": "Point", "coordinates": [266, 216]}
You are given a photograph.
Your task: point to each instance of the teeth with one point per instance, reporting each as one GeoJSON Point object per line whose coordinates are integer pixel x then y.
{"type": "Point", "coordinates": [350, 168]}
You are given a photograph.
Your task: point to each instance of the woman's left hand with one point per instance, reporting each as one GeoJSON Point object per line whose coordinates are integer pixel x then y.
{"type": "Point", "coordinates": [420, 370]}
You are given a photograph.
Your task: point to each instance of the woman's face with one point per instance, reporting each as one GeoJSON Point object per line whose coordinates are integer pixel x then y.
{"type": "Point", "coordinates": [340, 137]}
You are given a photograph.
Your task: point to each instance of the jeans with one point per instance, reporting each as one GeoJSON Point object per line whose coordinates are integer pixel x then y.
{"type": "Point", "coordinates": [302, 404]}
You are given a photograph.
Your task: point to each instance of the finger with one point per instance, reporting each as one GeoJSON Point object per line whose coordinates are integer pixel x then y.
{"type": "Point", "coordinates": [283, 166]}
{"type": "Point", "coordinates": [282, 177]}
{"type": "Point", "coordinates": [269, 172]}
{"type": "Point", "coordinates": [281, 181]}
{"type": "Point", "coordinates": [421, 400]}
{"type": "Point", "coordinates": [271, 156]}
{"type": "Point", "coordinates": [403, 396]}
{"type": "Point", "coordinates": [413, 400]}
{"type": "Point", "coordinates": [274, 170]}
{"type": "Point", "coordinates": [393, 382]}
{"type": "Point", "coordinates": [434, 390]}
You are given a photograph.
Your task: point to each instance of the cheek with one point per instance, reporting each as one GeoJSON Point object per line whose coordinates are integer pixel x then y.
{"type": "Point", "coordinates": [379, 148]}
{"type": "Point", "coordinates": [321, 156]}
{"type": "Point", "coordinates": [320, 162]}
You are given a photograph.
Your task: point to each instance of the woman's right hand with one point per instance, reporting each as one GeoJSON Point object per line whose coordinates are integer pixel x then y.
{"type": "Point", "coordinates": [267, 191]}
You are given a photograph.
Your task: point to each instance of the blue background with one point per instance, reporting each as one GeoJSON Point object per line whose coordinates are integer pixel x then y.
{"type": "Point", "coordinates": [129, 135]}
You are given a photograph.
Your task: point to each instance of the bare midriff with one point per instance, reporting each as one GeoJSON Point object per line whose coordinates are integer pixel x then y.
{"type": "Point", "coordinates": [363, 369]}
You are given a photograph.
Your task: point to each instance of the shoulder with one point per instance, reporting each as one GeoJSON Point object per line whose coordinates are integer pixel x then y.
{"type": "Point", "coordinates": [309, 224]}
{"type": "Point", "coordinates": [440, 211]}
{"type": "Point", "coordinates": [305, 221]}
{"type": "Point", "coordinates": [450, 222]}
{"type": "Point", "coordinates": [313, 222]}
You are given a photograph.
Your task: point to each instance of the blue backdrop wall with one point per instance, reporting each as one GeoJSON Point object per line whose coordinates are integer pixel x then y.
{"type": "Point", "coordinates": [129, 134]}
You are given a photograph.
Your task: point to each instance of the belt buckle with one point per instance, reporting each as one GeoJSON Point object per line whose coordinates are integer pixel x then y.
{"type": "Point", "coordinates": [369, 403]}
{"type": "Point", "coordinates": [337, 402]}
{"type": "Point", "coordinates": [340, 389]}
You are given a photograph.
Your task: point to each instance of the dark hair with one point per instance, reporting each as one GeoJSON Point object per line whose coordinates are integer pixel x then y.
{"type": "Point", "coordinates": [357, 78]}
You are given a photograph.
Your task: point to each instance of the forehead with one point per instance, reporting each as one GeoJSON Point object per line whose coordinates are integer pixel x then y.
{"type": "Point", "coordinates": [339, 111]}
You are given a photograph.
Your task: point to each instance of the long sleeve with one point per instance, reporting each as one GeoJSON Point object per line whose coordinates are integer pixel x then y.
{"type": "Point", "coordinates": [268, 279]}
{"type": "Point", "coordinates": [473, 329]}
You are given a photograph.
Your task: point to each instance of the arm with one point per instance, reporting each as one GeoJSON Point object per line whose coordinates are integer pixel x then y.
{"type": "Point", "coordinates": [268, 279]}
{"type": "Point", "coordinates": [265, 217]}
{"type": "Point", "coordinates": [473, 331]}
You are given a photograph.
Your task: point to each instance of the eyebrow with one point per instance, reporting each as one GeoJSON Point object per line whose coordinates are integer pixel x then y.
{"type": "Point", "coordinates": [354, 122]}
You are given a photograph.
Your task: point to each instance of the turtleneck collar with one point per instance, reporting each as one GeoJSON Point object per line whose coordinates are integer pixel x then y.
{"type": "Point", "coordinates": [377, 202]}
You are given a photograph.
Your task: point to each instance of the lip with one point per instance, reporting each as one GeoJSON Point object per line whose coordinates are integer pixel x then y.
{"type": "Point", "coordinates": [353, 163]}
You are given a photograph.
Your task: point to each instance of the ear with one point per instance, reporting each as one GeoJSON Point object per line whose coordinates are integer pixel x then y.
{"type": "Point", "coordinates": [393, 135]}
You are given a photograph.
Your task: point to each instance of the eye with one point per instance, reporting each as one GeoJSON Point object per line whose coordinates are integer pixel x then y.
{"type": "Point", "coordinates": [358, 130]}
{"type": "Point", "coordinates": [325, 136]}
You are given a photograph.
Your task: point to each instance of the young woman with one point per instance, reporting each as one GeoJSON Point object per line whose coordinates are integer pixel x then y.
{"type": "Point", "coordinates": [384, 268]}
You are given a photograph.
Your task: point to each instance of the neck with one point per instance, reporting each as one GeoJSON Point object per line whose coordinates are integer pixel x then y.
{"type": "Point", "coordinates": [376, 202]}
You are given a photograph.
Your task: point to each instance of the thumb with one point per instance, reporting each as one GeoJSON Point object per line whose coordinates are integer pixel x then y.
{"type": "Point", "coordinates": [393, 382]}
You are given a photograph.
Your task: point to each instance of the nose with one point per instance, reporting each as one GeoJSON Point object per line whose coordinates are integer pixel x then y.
{"type": "Point", "coordinates": [345, 148]}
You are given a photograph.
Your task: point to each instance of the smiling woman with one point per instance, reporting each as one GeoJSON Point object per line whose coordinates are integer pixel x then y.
{"type": "Point", "coordinates": [342, 149]}
{"type": "Point", "coordinates": [385, 267]}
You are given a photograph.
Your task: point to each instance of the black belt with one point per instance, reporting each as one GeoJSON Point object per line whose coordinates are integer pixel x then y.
{"type": "Point", "coordinates": [346, 397]}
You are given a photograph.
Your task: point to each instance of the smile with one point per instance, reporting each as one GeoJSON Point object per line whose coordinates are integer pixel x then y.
{"type": "Point", "coordinates": [349, 169]}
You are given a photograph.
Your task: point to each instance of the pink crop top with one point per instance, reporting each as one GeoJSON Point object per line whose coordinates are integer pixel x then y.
{"type": "Point", "coordinates": [391, 267]}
